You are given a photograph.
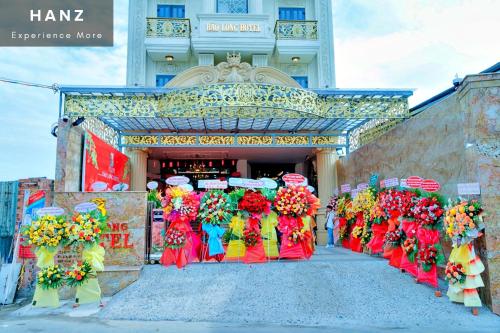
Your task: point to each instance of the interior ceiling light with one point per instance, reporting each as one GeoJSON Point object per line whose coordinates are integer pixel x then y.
{"type": "Point", "coordinates": [169, 58]}
{"type": "Point", "coordinates": [295, 59]}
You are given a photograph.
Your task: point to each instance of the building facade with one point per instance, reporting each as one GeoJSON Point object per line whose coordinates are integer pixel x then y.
{"type": "Point", "coordinates": [167, 37]}
{"type": "Point", "coordinates": [218, 89]}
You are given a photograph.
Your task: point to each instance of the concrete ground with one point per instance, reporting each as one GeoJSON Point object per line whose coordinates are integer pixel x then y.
{"type": "Point", "coordinates": [335, 291]}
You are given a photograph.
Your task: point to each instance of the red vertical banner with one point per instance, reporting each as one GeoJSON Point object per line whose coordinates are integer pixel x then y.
{"type": "Point", "coordinates": [104, 167]}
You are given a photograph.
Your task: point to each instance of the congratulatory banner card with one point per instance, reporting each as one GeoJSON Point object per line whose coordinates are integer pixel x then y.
{"type": "Point", "coordinates": [56, 22]}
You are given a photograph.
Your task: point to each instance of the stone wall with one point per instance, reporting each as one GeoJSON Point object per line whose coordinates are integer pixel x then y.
{"type": "Point", "coordinates": [68, 176]}
{"type": "Point", "coordinates": [452, 141]}
{"type": "Point", "coordinates": [124, 241]}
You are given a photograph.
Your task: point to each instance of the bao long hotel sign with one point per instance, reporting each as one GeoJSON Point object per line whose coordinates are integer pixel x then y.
{"type": "Point", "coordinates": [233, 27]}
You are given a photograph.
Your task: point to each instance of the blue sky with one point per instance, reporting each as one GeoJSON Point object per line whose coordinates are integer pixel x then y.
{"type": "Point", "coordinates": [378, 44]}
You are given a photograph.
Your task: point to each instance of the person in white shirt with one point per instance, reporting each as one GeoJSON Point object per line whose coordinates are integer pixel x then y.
{"type": "Point", "coordinates": [330, 218]}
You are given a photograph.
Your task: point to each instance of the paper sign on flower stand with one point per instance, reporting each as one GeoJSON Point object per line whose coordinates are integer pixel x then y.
{"type": "Point", "coordinates": [345, 188]}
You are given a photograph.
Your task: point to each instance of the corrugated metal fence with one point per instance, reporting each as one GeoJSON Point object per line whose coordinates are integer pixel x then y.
{"type": "Point", "coordinates": [8, 206]}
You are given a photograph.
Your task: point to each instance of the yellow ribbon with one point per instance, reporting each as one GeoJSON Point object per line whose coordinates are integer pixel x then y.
{"type": "Point", "coordinates": [95, 257]}
{"type": "Point", "coordinates": [45, 298]}
{"type": "Point", "coordinates": [45, 256]}
{"type": "Point", "coordinates": [88, 292]}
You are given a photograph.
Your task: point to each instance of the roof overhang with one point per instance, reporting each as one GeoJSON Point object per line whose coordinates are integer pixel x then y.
{"type": "Point", "coordinates": [246, 109]}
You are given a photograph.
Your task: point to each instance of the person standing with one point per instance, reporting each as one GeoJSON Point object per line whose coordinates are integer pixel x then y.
{"type": "Point", "coordinates": [330, 218]}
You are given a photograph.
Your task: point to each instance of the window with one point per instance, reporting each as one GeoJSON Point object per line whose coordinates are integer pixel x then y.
{"type": "Point", "coordinates": [302, 80]}
{"type": "Point", "coordinates": [232, 6]}
{"type": "Point", "coordinates": [162, 80]}
{"type": "Point", "coordinates": [170, 11]}
{"type": "Point", "coordinates": [292, 13]}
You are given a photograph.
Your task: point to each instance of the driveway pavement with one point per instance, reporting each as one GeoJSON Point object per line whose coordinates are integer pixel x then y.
{"type": "Point", "coordinates": [337, 290]}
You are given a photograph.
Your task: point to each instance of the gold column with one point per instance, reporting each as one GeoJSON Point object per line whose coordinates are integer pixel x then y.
{"type": "Point", "coordinates": [138, 168]}
{"type": "Point", "coordinates": [327, 182]}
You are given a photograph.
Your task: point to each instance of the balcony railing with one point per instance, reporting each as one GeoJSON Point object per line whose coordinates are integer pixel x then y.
{"type": "Point", "coordinates": [168, 27]}
{"type": "Point", "coordinates": [296, 30]}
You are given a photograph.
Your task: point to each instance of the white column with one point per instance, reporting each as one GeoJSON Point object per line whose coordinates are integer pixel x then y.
{"type": "Point", "coordinates": [326, 160]}
{"type": "Point", "coordinates": [242, 167]}
{"type": "Point", "coordinates": [208, 6]}
{"type": "Point", "coordinates": [206, 59]}
{"type": "Point", "coordinates": [138, 168]}
{"type": "Point", "coordinates": [259, 60]}
{"type": "Point", "coordinates": [255, 6]}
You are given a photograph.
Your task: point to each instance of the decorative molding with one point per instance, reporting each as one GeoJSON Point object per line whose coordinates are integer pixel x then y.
{"type": "Point", "coordinates": [241, 140]}
{"type": "Point", "coordinates": [171, 68]}
{"type": "Point", "coordinates": [99, 128]}
{"type": "Point", "coordinates": [238, 100]}
{"type": "Point", "coordinates": [231, 71]}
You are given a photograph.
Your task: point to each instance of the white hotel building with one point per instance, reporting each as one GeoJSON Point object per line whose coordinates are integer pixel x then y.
{"type": "Point", "coordinates": [167, 37]}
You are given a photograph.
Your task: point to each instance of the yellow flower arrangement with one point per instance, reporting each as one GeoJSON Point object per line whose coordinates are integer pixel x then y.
{"type": "Point", "coordinates": [344, 208]}
{"type": "Point", "coordinates": [87, 227]}
{"type": "Point", "coordinates": [47, 230]}
{"type": "Point", "coordinates": [51, 277]}
{"type": "Point", "coordinates": [363, 202]}
{"type": "Point", "coordinates": [357, 231]}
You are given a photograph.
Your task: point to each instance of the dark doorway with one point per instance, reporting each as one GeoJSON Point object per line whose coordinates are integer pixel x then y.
{"type": "Point", "coordinates": [270, 170]}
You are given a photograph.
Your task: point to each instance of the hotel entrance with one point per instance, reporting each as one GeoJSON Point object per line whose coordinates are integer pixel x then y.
{"type": "Point", "coordinates": [206, 164]}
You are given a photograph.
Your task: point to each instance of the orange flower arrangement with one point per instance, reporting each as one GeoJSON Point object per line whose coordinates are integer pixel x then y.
{"type": "Point", "coordinates": [463, 221]}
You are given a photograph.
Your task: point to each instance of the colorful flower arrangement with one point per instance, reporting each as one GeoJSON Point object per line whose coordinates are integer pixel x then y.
{"type": "Point", "coordinates": [86, 228]}
{"type": "Point", "coordinates": [377, 213]}
{"type": "Point", "coordinates": [463, 221]}
{"type": "Point", "coordinates": [180, 204]}
{"type": "Point", "coordinates": [296, 201]}
{"type": "Point", "coordinates": [364, 201]}
{"type": "Point", "coordinates": [428, 212]}
{"type": "Point", "coordinates": [254, 203]}
{"type": "Point", "coordinates": [367, 233]}
{"type": "Point", "coordinates": [251, 237]}
{"type": "Point", "coordinates": [357, 232]}
{"type": "Point", "coordinates": [455, 273]}
{"type": "Point", "coordinates": [394, 238]}
{"type": "Point", "coordinates": [47, 230]}
{"type": "Point", "coordinates": [343, 233]}
{"type": "Point", "coordinates": [392, 200]}
{"type": "Point", "coordinates": [154, 196]}
{"type": "Point", "coordinates": [215, 208]}
{"type": "Point", "coordinates": [410, 246]}
{"type": "Point", "coordinates": [430, 255]}
{"type": "Point", "coordinates": [78, 274]}
{"type": "Point", "coordinates": [344, 207]}
{"type": "Point", "coordinates": [51, 277]}
{"type": "Point", "coordinates": [175, 238]}
{"type": "Point", "coordinates": [333, 202]}
{"type": "Point", "coordinates": [296, 235]}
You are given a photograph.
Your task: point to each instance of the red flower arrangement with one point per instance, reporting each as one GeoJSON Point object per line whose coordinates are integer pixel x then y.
{"type": "Point", "coordinates": [251, 237]}
{"type": "Point", "coordinates": [393, 200]}
{"type": "Point", "coordinates": [393, 238]}
{"type": "Point", "coordinates": [296, 201]}
{"type": "Point", "coordinates": [255, 203]}
{"type": "Point", "coordinates": [428, 212]}
{"type": "Point", "coordinates": [411, 248]}
{"type": "Point", "coordinates": [175, 238]}
{"type": "Point", "coordinates": [429, 255]}
{"type": "Point", "coordinates": [455, 273]}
